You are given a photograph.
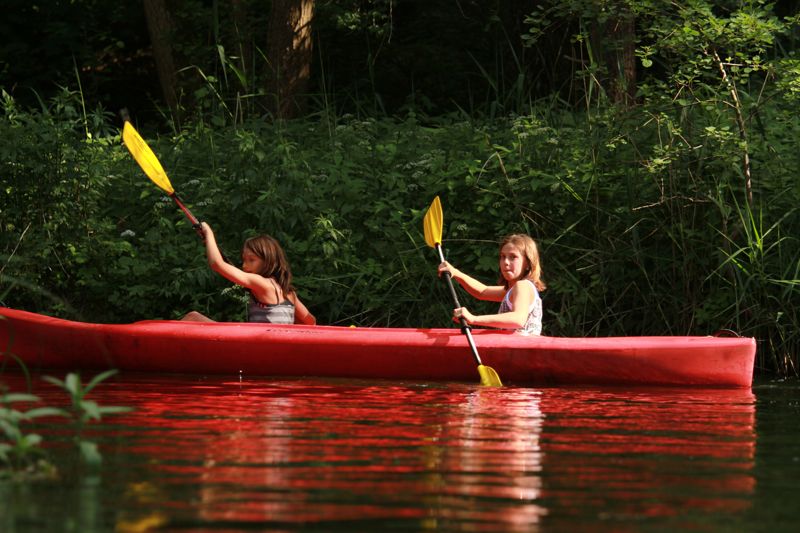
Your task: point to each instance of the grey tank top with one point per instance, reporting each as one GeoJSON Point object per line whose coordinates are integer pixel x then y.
{"type": "Point", "coordinates": [282, 313]}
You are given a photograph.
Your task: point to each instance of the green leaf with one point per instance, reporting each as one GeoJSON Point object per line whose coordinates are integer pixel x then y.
{"type": "Point", "coordinates": [90, 408]}
{"type": "Point", "coordinates": [11, 431]}
{"type": "Point", "coordinates": [55, 381]}
{"type": "Point", "coordinates": [46, 411]}
{"type": "Point", "coordinates": [31, 439]}
{"type": "Point", "coordinates": [90, 453]}
{"type": "Point", "coordinates": [18, 397]}
{"type": "Point", "coordinates": [97, 379]}
{"type": "Point", "coordinates": [73, 385]}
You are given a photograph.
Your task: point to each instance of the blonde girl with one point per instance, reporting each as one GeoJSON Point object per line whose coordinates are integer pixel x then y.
{"type": "Point", "coordinates": [266, 274]}
{"type": "Point", "coordinates": [517, 291]}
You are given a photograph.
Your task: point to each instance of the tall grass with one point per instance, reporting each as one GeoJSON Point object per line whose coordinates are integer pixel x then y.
{"type": "Point", "coordinates": [765, 278]}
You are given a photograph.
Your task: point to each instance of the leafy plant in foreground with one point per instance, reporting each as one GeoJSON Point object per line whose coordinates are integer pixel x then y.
{"type": "Point", "coordinates": [83, 410]}
{"type": "Point", "coordinates": [22, 450]}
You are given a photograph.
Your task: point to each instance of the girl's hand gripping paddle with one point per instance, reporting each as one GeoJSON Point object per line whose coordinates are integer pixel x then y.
{"type": "Point", "coordinates": [434, 220]}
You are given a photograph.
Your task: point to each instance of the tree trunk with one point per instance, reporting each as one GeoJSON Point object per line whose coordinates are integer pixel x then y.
{"type": "Point", "coordinates": [616, 42]}
{"type": "Point", "coordinates": [159, 24]}
{"type": "Point", "coordinates": [625, 60]}
{"type": "Point", "coordinates": [289, 51]}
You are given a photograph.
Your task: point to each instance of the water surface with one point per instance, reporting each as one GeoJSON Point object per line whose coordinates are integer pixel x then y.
{"type": "Point", "coordinates": [206, 454]}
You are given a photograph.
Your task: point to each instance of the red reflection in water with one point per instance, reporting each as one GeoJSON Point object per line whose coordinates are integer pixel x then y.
{"type": "Point", "coordinates": [650, 454]}
{"type": "Point", "coordinates": [383, 452]}
{"type": "Point", "coordinates": [457, 456]}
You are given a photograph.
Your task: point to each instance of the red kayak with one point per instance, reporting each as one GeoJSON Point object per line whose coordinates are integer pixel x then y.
{"type": "Point", "coordinates": [167, 346]}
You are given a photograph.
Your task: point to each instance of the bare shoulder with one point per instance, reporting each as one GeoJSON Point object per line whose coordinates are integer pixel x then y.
{"type": "Point", "coordinates": [264, 289]}
{"type": "Point", "coordinates": [295, 299]}
{"type": "Point", "coordinates": [523, 289]}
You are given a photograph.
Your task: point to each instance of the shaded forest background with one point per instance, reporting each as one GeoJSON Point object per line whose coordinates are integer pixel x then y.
{"type": "Point", "coordinates": [650, 147]}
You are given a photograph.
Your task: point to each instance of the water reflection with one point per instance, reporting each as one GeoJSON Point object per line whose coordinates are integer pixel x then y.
{"type": "Point", "coordinates": [322, 454]}
{"type": "Point", "coordinates": [297, 452]}
{"type": "Point", "coordinates": [649, 454]}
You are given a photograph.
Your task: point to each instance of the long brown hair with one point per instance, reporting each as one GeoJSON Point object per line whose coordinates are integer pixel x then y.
{"type": "Point", "coordinates": [276, 265]}
{"type": "Point", "coordinates": [527, 246]}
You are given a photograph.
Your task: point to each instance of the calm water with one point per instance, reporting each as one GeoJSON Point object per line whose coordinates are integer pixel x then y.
{"type": "Point", "coordinates": [211, 454]}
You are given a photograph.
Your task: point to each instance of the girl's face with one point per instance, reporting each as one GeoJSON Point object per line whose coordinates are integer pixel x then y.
{"type": "Point", "coordinates": [512, 262]}
{"type": "Point", "coordinates": [251, 263]}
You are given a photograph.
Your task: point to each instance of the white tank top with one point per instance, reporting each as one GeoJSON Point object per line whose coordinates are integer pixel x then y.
{"type": "Point", "coordinates": [533, 325]}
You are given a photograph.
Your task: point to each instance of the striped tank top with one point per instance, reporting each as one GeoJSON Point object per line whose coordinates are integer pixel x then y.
{"type": "Point", "coordinates": [282, 313]}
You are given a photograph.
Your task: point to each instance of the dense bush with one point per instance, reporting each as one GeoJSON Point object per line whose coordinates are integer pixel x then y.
{"type": "Point", "coordinates": [642, 232]}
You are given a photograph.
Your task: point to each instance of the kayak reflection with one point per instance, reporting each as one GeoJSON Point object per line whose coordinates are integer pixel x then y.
{"type": "Point", "coordinates": [324, 452]}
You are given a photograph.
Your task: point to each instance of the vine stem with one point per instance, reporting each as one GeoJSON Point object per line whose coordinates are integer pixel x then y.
{"type": "Point", "coordinates": [737, 106]}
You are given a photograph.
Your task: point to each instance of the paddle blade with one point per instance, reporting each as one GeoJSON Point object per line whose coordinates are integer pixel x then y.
{"type": "Point", "coordinates": [434, 220]}
{"type": "Point", "coordinates": [146, 158]}
{"type": "Point", "coordinates": [489, 377]}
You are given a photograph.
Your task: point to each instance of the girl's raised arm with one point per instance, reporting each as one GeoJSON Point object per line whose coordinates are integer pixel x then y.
{"type": "Point", "coordinates": [255, 282]}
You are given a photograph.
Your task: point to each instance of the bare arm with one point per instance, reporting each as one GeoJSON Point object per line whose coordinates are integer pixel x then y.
{"type": "Point", "coordinates": [261, 288]}
{"type": "Point", "coordinates": [521, 299]}
{"type": "Point", "coordinates": [492, 293]}
{"type": "Point", "coordinates": [301, 313]}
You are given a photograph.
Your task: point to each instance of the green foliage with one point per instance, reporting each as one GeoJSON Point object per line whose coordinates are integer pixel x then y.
{"type": "Point", "coordinates": [672, 214]}
{"type": "Point", "coordinates": [21, 450]}
{"type": "Point", "coordinates": [763, 271]}
{"type": "Point", "coordinates": [637, 215]}
{"type": "Point", "coordinates": [83, 411]}
{"type": "Point", "coordinates": [54, 166]}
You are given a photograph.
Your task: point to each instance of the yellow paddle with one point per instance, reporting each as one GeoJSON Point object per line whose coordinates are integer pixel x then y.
{"type": "Point", "coordinates": [434, 220]}
{"type": "Point", "coordinates": [152, 167]}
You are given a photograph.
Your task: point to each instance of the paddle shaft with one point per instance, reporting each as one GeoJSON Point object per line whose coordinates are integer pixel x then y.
{"type": "Point", "coordinates": [193, 219]}
{"type": "Point", "coordinates": [465, 328]}
{"type": "Point", "coordinates": [195, 223]}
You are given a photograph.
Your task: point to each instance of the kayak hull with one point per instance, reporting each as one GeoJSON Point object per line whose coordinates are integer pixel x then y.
{"type": "Point", "coordinates": [166, 346]}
